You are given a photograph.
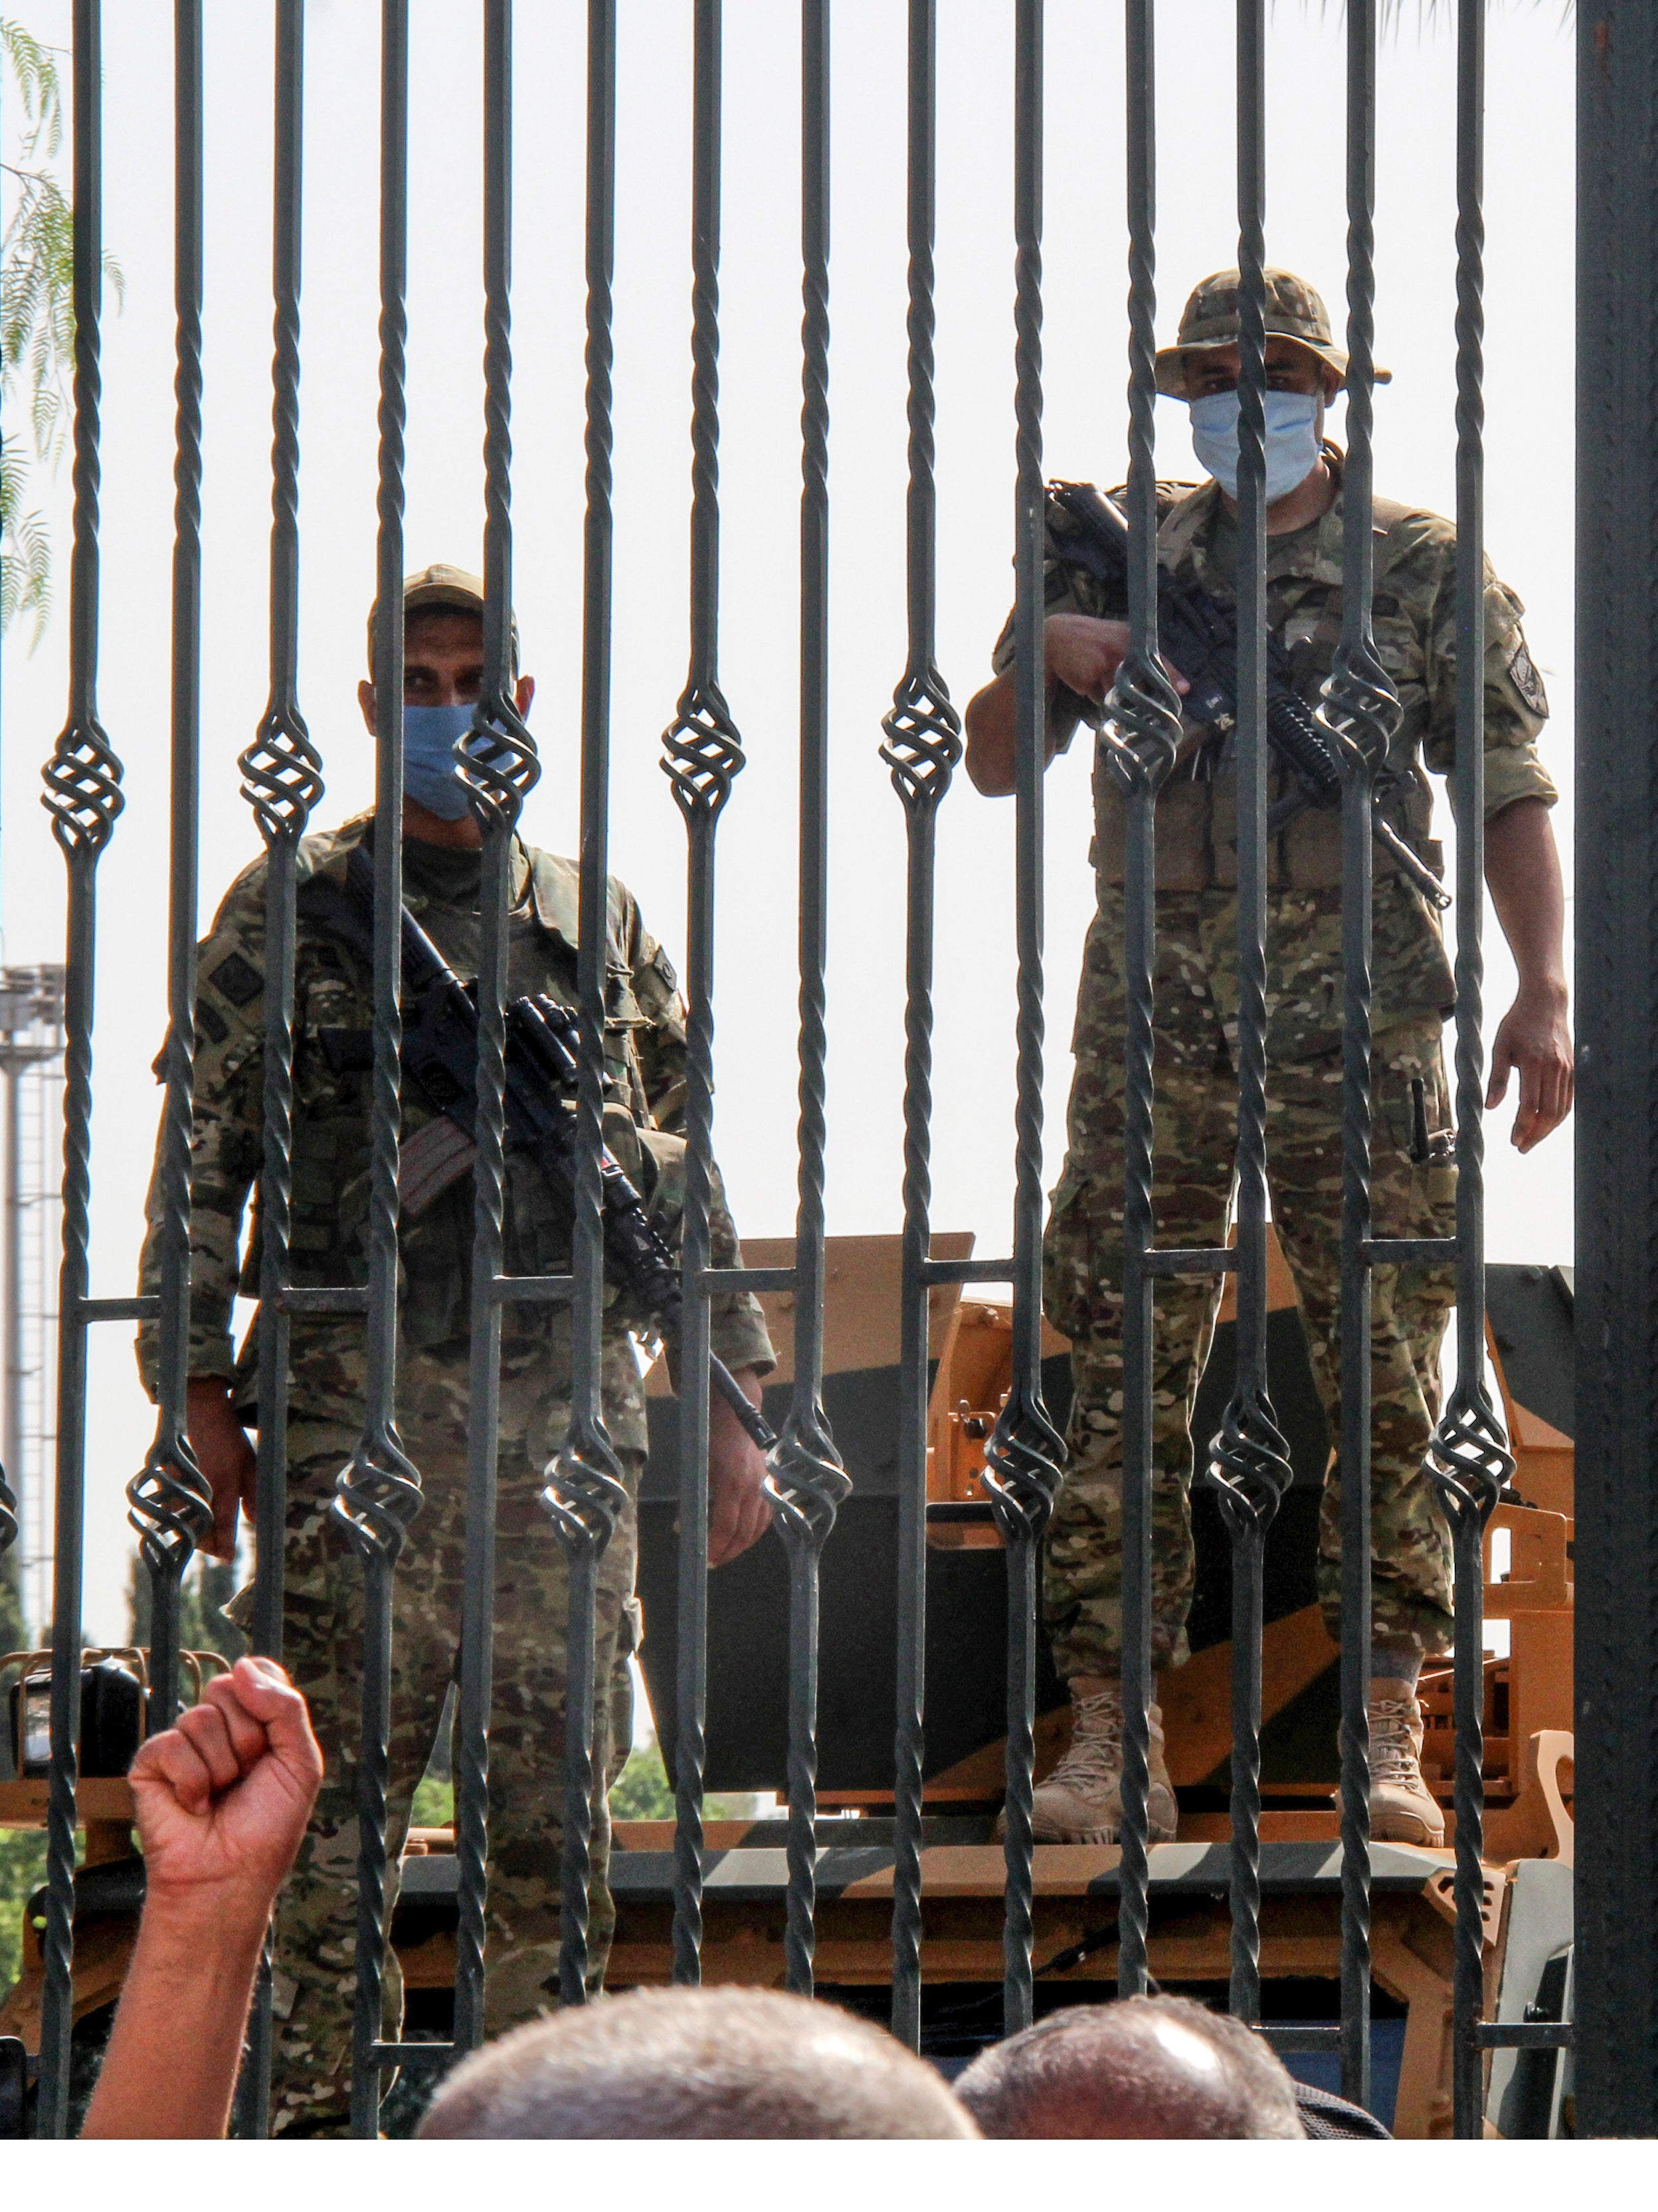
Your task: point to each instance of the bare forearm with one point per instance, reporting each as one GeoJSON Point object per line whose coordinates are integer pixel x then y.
{"type": "Point", "coordinates": [170, 2070]}
{"type": "Point", "coordinates": [1522, 871]}
{"type": "Point", "coordinates": [992, 724]}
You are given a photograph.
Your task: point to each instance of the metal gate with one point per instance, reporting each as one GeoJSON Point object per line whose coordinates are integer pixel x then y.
{"type": "Point", "coordinates": [1617, 2035]}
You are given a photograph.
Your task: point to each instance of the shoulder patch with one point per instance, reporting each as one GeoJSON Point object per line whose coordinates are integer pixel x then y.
{"type": "Point", "coordinates": [1523, 672]}
{"type": "Point", "coordinates": [238, 979]}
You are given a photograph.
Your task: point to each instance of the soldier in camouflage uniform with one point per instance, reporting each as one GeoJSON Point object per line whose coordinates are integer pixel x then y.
{"type": "Point", "coordinates": [322, 1629]}
{"type": "Point", "coordinates": [1414, 1182]}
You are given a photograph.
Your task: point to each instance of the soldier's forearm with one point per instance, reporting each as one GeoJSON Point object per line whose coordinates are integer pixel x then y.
{"type": "Point", "coordinates": [1522, 870]}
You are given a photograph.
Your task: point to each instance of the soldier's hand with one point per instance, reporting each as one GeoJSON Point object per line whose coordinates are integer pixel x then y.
{"type": "Point", "coordinates": [739, 1513]}
{"type": "Point", "coordinates": [224, 1455]}
{"type": "Point", "coordinates": [1084, 653]}
{"type": "Point", "coordinates": [222, 1797]}
{"type": "Point", "coordinates": [1534, 1042]}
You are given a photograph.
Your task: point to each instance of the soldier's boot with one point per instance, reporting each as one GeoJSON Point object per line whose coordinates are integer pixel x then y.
{"type": "Point", "coordinates": [1081, 1801]}
{"type": "Point", "coordinates": [1402, 1808]}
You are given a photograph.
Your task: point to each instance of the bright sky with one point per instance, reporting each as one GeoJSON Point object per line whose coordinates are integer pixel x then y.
{"type": "Point", "coordinates": [1529, 316]}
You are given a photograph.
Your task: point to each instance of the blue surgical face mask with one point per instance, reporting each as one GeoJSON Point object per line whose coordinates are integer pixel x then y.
{"type": "Point", "coordinates": [1292, 439]}
{"type": "Point", "coordinates": [430, 737]}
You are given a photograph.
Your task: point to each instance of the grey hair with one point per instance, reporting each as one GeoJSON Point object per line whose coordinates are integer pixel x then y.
{"type": "Point", "coordinates": [680, 2063]}
{"type": "Point", "coordinates": [1116, 2069]}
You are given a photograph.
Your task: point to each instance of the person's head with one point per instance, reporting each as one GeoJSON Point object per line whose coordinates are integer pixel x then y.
{"type": "Point", "coordinates": [1145, 2067]}
{"type": "Point", "coordinates": [681, 2063]}
{"type": "Point", "coordinates": [1304, 370]}
{"type": "Point", "coordinates": [443, 676]}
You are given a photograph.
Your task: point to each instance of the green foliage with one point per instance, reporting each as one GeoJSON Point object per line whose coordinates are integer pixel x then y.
{"type": "Point", "coordinates": [12, 1633]}
{"type": "Point", "coordinates": [434, 1804]}
{"type": "Point", "coordinates": [22, 1870]}
{"type": "Point", "coordinates": [641, 1792]}
{"type": "Point", "coordinates": [37, 320]}
{"type": "Point", "coordinates": [208, 1585]}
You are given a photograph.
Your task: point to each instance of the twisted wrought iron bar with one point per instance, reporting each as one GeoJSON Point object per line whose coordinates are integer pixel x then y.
{"type": "Point", "coordinates": [1136, 752]}
{"type": "Point", "coordinates": [1467, 1460]}
{"type": "Point", "coordinates": [1025, 1454]}
{"type": "Point", "coordinates": [702, 752]}
{"type": "Point", "coordinates": [496, 762]}
{"type": "Point", "coordinates": [1361, 709]}
{"type": "Point", "coordinates": [83, 797]}
{"type": "Point", "coordinates": [7, 1513]}
{"type": "Point", "coordinates": [585, 1493]}
{"type": "Point", "coordinates": [1249, 1461]}
{"type": "Point", "coordinates": [378, 1494]}
{"type": "Point", "coordinates": [922, 745]}
{"type": "Point", "coordinates": [281, 781]}
{"type": "Point", "coordinates": [170, 1503]}
{"type": "Point", "coordinates": [806, 1482]}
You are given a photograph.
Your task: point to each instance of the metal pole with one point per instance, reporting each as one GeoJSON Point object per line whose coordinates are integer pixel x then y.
{"type": "Point", "coordinates": [1136, 751]}
{"type": "Point", "coordinates": [1025, 1453]}
{"type": "Point", "coordinates": [1361, 709]}
{"type": "Point", "coordinates": [922, 734]}
{"type": "Point", "coordinates": [498, 769]}
{"type": "Point", "coordinates": [585, 1493]}
{"type": "Point", "coordinates": [1249, 1463]}
{"type": "Point", "coordinates": [282, 782]}
{"type": "Point", "coordinates": [13, 1263]}
{"type": "Point", "coordinates": [83, 797]}
{"type": "Point", "coordinates": [378, 1495]}
{"type": "Point", "coordinates": [1617, 1335]}
{"type": "Point", "coordinates": [1467, 1461]}
{"type": "Point", "coordinates": [170, 1504]}
{"type": "Point", "coordinates": [807, 1482]}
{"type": "Point", "coordinates": [702, 752]}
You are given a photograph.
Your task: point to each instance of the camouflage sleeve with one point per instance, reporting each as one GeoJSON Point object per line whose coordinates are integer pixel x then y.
{"type": "Point", "coordinates": [1065, 592]}
{"type": "Point", "coordinates": [226, 1141]}
{"type": "Point", "coordinates": [659, 1039]}
{"type": "Point", "coordinates": [1516, 705]}
{"type": "Point", "coordinates": [737, 1329]}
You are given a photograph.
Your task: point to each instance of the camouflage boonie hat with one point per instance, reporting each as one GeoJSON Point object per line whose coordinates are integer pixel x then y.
{"type": "Point", "coordinates": [1294, 310]}
{"type": "Point", "coordinates": [443, 585]}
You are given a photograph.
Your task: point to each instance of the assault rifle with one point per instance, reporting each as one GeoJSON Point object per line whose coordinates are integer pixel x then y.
{"type": "Point", "coordinates": [439, 1054]}
{"type": "Point", "coordinates": [1197, 633]}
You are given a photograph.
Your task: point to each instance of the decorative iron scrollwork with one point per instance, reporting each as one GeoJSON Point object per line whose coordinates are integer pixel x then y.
{"type": "Point", "coordinates": [704, 749]}
{"type": "Point", "coordinates": [377, 1496]}
{"type": "Point", "coordinates": [83, 794]}
{"type": "Point", "coordinates": [1023, 1468]}
{"type": "Point", "coordinates": [1248, 1465]}
{"type": "Point", "coordinates": [282, 775]}
{"type": "Point", "coordinates": [805, 1480]}
{"type": "Point", "coordinates": [924, 738]}
{"type": "Point", "coordinates": [1142, 733]}
{"type": "Point", "coordinates": [585, 1494]}
{"type": "Point", "coordinates": [497, 762]}
{"type": "Point", "coordinates": [169, 1504]}
{"type": "Point", "coordinates": [1468, 1461]}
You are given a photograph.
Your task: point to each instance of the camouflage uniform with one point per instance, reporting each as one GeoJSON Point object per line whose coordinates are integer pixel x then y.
{"type": "Point", "coordinates": [645, 1060]}
{"type": "Point", "coordinates": [1196, 1093]}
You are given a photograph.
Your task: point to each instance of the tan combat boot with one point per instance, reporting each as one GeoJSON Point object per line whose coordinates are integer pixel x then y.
{"type": "Point", "coordinates": [1402, 1808]}
{"type": "Point", "coordinates": [1081, 1801]}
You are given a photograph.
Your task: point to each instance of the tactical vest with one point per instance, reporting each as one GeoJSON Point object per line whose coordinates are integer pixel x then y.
{"type": "Point", "coordinates": [1197, 808]}
{"type": "Point", "coordinates": [333, 1080]}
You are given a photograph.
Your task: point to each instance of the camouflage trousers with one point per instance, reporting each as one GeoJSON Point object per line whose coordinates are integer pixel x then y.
{"type": "Point", "coordinates": [1196, 1123]}
{"type": "Point", "coordinates": [316, 1914]}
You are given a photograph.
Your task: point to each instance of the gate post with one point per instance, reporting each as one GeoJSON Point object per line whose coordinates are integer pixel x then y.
{"type": "Point", "coordinates": [1617, 985]}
